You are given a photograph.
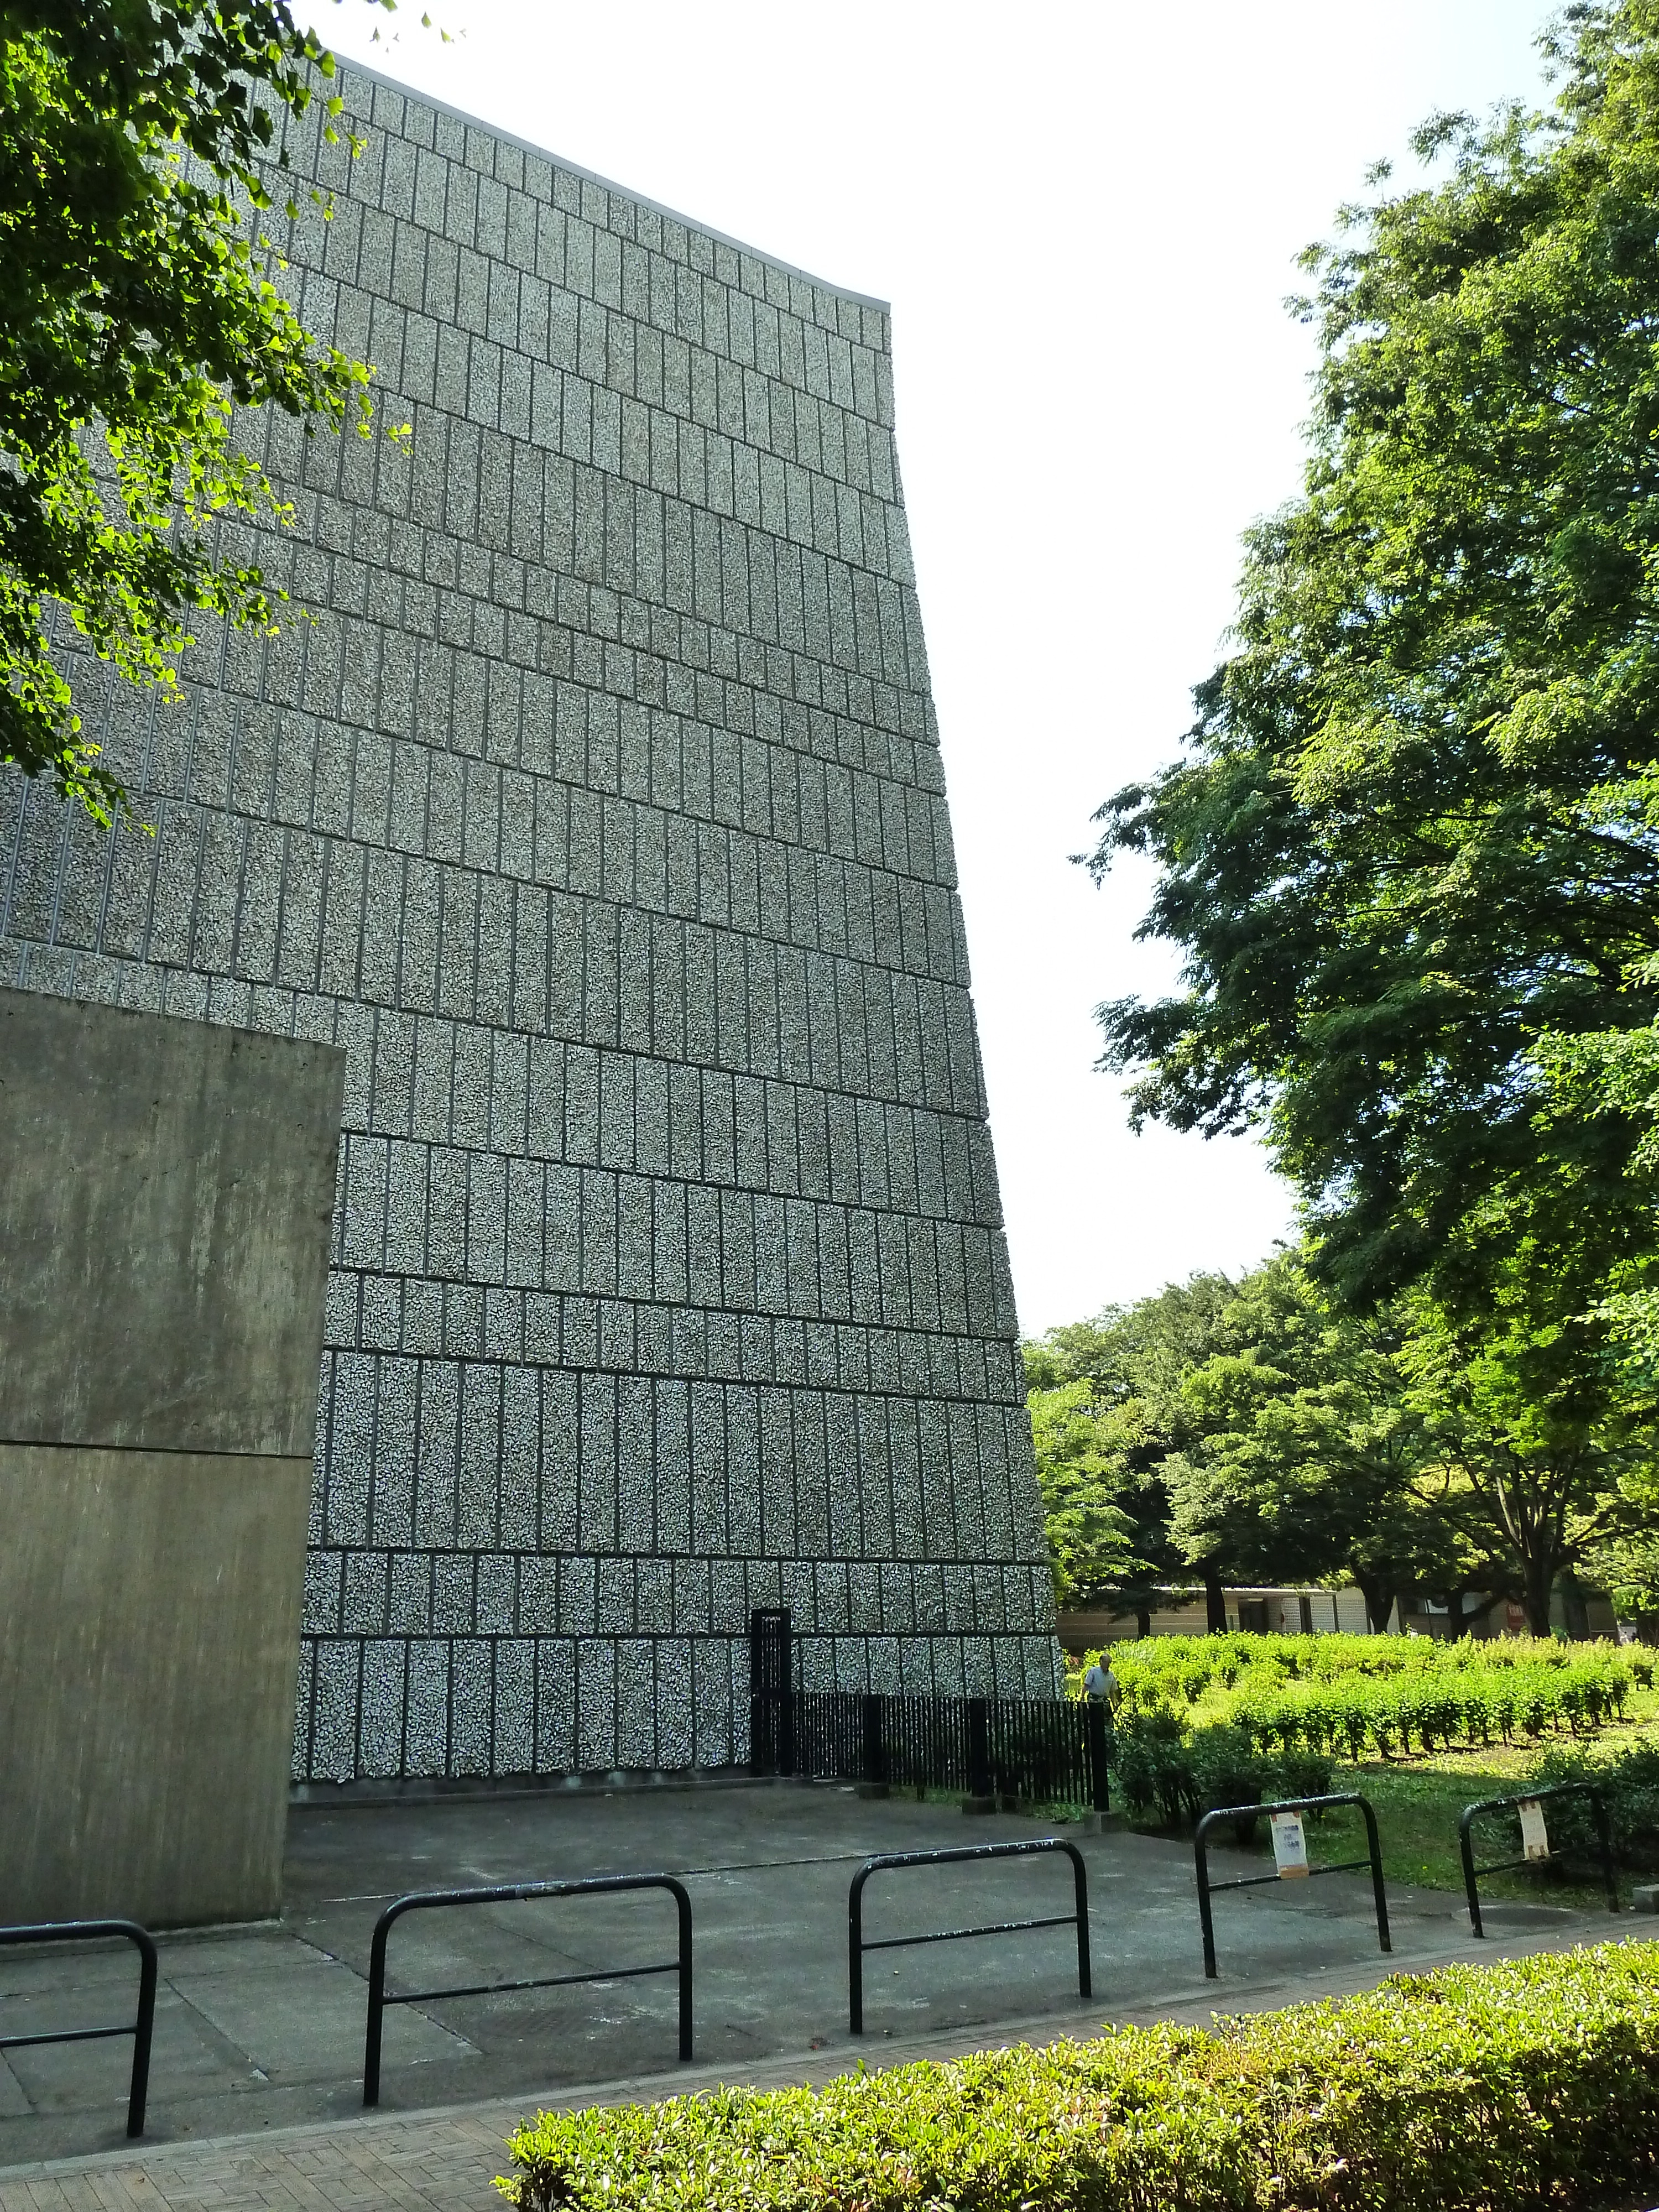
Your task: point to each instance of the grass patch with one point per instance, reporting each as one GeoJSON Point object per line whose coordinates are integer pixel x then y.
{"type": "Point", "coordinates": [1419, 1801]}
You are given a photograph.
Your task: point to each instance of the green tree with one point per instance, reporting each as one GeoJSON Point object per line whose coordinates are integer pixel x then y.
{"type": "Point", "coordinates": [1548, 1450]}
{"type": "Point", "coordinates": [1132, 1358]}
{"type": "Point", "coordinates": [1413, 842]}
{"type": "Point", "coordinates": [1304, 1453]}
{"type": "Point", "coordinates": [1091, 1539]}
{"type": "Point", "coordinates": [136, 139]}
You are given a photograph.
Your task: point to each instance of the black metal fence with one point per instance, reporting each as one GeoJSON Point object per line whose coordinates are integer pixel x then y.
{"type": "Point", "coordinates": [1035, 1751]}
{"type": "Point", "coordinates": [1551, 1852]}
{"type": "Point", "coordinates": [140, 2028]}
{"type": "Point", "coordinates": [857, 1944]}
{"type": "Point", "coordinates": [430, 1900]}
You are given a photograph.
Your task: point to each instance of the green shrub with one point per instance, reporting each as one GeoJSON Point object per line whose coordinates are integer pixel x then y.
{"type": "Point", "coordinates": [1630, 1784]}
{"type": "Point", "coordinates": [1164, 1770]}
{"type": "Point", "coordinates": [1359, 1696]}
{"type": "Point", "coordinates": [1524, 2085]}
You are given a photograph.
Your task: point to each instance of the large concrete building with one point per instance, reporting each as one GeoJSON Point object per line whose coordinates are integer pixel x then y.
{"type": "Point", "coordinates": [598, 815]}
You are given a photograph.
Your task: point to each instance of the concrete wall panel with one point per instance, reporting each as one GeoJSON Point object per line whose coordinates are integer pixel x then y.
{"type": "Point", "coordinates": [149, 1623]}
{"type": "Point", "coordinates": [166, 1203]}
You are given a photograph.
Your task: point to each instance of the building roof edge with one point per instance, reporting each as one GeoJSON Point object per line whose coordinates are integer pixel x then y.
{"type": "Point", "coordinates": [609, 185]}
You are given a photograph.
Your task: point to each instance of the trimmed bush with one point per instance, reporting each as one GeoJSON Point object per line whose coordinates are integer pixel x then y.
{"type": "Point", "coordinates": [1630, 1785]}
{"type": "Point", "coordinates": [1162, 1769]}
{"type": "Point", "coordinates": [1521, 2086]}
{"type": "Point", "coordinates": [1352, 1696]}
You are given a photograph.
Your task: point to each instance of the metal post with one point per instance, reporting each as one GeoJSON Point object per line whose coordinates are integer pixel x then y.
{"type": "Point", "coordinates": [874, 1759]}
{"type": "Point", "coordinates": [138, 2093]}
{"type": "Point", "coordinates": [855, 1951]}
{"type": "Point", "coordinates": [979, 1748]}
{"type": "Point", "coordinates": [1085, 1980]}
{"type": "Point", "coordinates": [1201, 1869]}
{"type": "Point", "coordinates": [1099, 1755]}
{"type": "Point", "coordinates": [684, 1903]}
{"type": "Point", "coordinates": [1466, 1848]}
{"type": "Point", "coordinates": [376, 2007]}
{"type": "Point", "coordinates": [1384, 1941]}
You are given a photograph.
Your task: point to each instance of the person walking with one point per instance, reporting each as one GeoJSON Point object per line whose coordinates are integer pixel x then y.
{"type": "Point", "coordinates": [1100, 1686]}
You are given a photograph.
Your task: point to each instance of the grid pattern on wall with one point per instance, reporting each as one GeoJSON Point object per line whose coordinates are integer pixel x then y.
{"type": "Point", "coordinates": [598, 814]}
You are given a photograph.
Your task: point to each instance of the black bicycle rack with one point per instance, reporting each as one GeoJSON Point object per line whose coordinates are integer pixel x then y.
{"type": "Point", "coordinates": [1466, 1844]}
{"type": "Point", "coordinates": [89, 1931]}
{"type": "Point", "coordinates": [513, 1893]}
{"type": "Point", "coordinates": [1206, 1888]}
{"type": "Point", "coordinates": [856, 1946]}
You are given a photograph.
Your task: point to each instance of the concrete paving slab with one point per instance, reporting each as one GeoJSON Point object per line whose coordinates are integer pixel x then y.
{"type": "Point", "coordinates": [263, 2029]}
{"type": "Point", "coordinates": [289, 2011]}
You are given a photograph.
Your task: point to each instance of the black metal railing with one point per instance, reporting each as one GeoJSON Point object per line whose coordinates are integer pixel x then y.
{"type": "Point", "coordinates": [1473, 1812]}
{"type": "Point", "coordinates": [1206, 1888]}
{"type": "Point", "coordinates": [857, 1945]}
{"type": "Point", "coordinates": [143, 2024]}
{"type": "Point", "coordinates": [1031, 1750]}
{"type": "Point", "coordinates": [514, 1893]}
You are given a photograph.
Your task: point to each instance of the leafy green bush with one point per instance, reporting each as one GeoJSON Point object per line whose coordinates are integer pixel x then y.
{"type": "Point", "coordinates": [1358, 1696]}
{"type": "Point", "coordinates": [1524, 2085]}
{"type": "Point", "coordinates": [1630, 1784]}
{"type": "Point", "coordinates": [1162, 1768]}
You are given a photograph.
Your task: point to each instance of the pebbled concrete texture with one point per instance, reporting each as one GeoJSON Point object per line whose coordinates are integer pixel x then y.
{"type": "Point", "coordinates": [261, 2031]}
{"type": "Point", "coordinates": [597, 813]}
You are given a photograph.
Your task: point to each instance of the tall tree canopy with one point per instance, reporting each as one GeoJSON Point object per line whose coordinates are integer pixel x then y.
{"type": "Point", "coordinates": [140, 309]}
{"type": "Point", "coordinates": [1412, 850]}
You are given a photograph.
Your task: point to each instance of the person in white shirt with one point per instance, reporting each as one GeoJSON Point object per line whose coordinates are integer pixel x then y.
{"type": "Point", "coordinates": [1100, 1686]}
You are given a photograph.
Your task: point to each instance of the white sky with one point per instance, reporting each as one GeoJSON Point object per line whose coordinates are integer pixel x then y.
{"type": "Point", "coordinates": [1086, 219]}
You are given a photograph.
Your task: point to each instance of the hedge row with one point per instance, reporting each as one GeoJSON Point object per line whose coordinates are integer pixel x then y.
{"type": "Point", "coordinates": [1629, 1779]}
{"type": "Point", "coordinates": [1524, 2085]}
{"type": "Point", "coordinates": [1183, 1670]}
{"type": "Point", "coordinates": [1162, 1767]}
{"type": "Point", "coordinates": [1436, 1710]}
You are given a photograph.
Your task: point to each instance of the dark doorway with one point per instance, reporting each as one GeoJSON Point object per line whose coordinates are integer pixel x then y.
{"type": "Point", "coordinates": [771, 1692]}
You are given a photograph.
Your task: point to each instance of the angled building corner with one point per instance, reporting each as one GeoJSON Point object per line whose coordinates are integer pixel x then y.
{"type": "Point", "coordinates": [600, 816]}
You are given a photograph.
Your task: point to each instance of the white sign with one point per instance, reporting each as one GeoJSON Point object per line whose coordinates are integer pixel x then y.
{"type": "Point", "coordinates": [1534, 1836]}
{"type": "Point", "coordinates": [1290, 1845]}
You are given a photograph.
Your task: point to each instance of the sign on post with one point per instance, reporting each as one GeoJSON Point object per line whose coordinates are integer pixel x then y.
{"type": "Point", "coordinates": [1290, 1845]}
{"type": "Point", "coordinates": [1534, 1836]}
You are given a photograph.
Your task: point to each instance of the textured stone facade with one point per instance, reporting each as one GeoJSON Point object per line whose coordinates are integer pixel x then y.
{"type": "Point", "coordinates": [599, 815]}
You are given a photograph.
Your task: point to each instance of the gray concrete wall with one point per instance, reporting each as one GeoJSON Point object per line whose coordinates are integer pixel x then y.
{"type": "Point", "coordinates": [166, 1197]}
{"type": "Point", "coordinates": [166, 1203]}
{"type": "Point", "coordinates": [600, 816]}
{"type": "Point", "coordinates": [149, 1623]}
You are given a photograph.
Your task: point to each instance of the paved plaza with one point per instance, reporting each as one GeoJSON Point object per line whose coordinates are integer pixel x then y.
{"type": "Point", "coordinates": [256, 2080]}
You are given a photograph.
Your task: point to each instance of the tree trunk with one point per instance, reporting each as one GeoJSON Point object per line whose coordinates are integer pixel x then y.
{"type": "Point", "coordinates": [1539, 1580]}
{"type": "Point", "coordinates": [1462, 1623]}
{"type": "Point", "coordinates": [1215, 1601]}
{"type": "Point", "coordinates": [1379, 1601]}
{"type": "Point", "coordinates": [1143, 1622]}
{"type": "Point", "coordinates": [1573, 1604]}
